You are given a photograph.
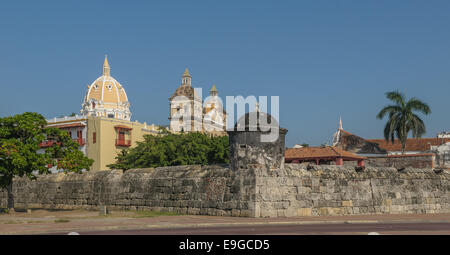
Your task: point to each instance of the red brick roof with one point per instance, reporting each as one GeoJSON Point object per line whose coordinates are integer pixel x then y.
{"type": "Point", "coordinates": [412, 144]}
{"type": "Point", "coordinates": [319, 152]}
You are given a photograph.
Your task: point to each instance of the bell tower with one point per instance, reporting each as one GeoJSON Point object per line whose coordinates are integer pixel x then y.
{"type": "Point", "coordinates": [186, 78]}
{"type": "Point", "coordinates": [213, 92]}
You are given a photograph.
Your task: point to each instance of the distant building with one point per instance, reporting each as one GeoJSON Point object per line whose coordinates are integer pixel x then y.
{"type": "Point", "coordinates": [321, 155]}
{"type": "Point", "coordinates": [443, 135]}
{"type": "Point", "coordinates": [75, 126]}
{"type": "Point", "coordinates": [356, 144]}
{"type": "Point", "coordinates": [104, 128]}
{"type": "Point", "coordinates": [413, 145]}
{"type": "Point", "coordinates": [359, 145]}
{"type": "Point", "coordinates": [437, 148]}
{"type": "Point", "coordinates": [188, 112]}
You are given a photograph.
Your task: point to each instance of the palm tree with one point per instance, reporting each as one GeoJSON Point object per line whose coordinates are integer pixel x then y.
{"type": "Point", "coordinates": [402, 118]}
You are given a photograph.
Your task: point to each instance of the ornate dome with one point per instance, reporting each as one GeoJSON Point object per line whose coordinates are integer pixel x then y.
{"type": "Point", "coordinates": [106, 97]}
{"type": "Point", "coordinates": [185, 89]}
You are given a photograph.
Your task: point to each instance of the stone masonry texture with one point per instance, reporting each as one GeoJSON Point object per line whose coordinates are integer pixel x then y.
{"type": "Point", "coordinates": [256, 191]}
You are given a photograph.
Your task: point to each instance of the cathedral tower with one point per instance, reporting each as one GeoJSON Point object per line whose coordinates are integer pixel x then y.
{"type": "Point", "coordinates": [185, 107]}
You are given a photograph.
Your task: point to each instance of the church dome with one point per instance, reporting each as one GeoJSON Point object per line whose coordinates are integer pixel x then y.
{"type": "Point", "coordinates": [108, 90]}
{"type": "Point", "coordinates": [185, 89]}
{"type": "Point", "coordinates": [106, 97]}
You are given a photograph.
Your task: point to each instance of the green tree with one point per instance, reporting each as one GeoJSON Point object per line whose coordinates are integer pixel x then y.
{"type": "Point", "coordinates": [402, 118]}
{"type": "Point", "coordinates": [167, 149]}
{"type": "Point", "coordinates": [21, 153]}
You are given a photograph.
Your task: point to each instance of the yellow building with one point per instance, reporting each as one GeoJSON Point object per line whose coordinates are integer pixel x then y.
{"type": "Point", "coordinates": [104, 128]}
{"type": "Point", "coordinates": [107, 137]}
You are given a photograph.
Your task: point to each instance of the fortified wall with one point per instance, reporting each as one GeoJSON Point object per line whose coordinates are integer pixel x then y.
{"type": "Point", "coordinates": [252, 192]}
{"type": "Point", "coordinates": [256, 184]}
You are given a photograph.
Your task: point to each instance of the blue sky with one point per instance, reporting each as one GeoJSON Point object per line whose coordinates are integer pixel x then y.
{"type": "Point", "coordinates": [324, 59]}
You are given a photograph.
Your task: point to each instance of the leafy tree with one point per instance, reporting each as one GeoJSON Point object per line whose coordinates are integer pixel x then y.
{"type": "Point", "coordinates": [168, 149]}
{"type": "Point", "coordinates": [21, 153]}
{"type": "Point", "coordinates": [402, 118]}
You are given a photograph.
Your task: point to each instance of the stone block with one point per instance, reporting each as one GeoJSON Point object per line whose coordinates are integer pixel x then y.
{"type": "Point", "coordinates": [347, 203]}
{"type": "Point", "coordinates": [281, 213]}
{"type": "Point", "coordinates": [335, 211]}
{"type": "Point", "coordinates": [323, 211]}
{"type": "Point", "coordinates": [235, 212]}
{"type": "Point", "coordinates": [387, 202]}
{"type": "Point", "coordinates": [304, 212]}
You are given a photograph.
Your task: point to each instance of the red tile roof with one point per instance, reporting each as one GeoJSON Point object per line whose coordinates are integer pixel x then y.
{"type": "Point", "coordinates": [319, 152]}
{"type": "Point", "coordinates": [412, 144]}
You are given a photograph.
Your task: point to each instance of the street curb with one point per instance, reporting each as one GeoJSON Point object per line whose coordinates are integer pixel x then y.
{"type": "Point", "coordinates": [227, 224]}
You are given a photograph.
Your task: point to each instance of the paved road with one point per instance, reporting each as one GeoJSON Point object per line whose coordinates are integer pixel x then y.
{"type": "Point", "coordinates": [313, 229]}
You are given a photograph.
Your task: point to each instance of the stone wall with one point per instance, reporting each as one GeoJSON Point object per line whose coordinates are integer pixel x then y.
{"type": "Point", "coordinates": [208, 190]}
{"type": "Point", "coordinates": [426, 160]}
{"type": "Point", "coordinates": [252, 192]}
{"type": "Point", "coordinates": [340, 190]}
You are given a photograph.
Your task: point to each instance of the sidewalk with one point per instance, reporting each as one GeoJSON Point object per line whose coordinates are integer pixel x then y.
{"type": "Point", "coordinates": [43, 221]}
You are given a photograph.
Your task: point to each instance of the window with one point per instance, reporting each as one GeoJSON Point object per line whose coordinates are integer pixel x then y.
{"type": "Point", "coordinates": [111, 115]}
{"type": "Point", "coordinates": [94, 137]}
{"type": "Point", "coordinates": [93, 105]}
{"type": "Point", "coordinates": [121, 135]}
